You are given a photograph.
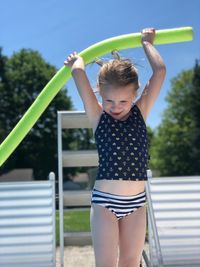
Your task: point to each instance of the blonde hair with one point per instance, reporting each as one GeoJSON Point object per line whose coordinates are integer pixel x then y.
{"type": "Point", "coordinates": [118, 72]}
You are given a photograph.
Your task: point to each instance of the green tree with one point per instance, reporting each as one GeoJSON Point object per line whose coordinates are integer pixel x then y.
{"type": "Point", "coordinates": [22, 77]}
{"type": "Point", "coordinates": [175, 148]}
{"type": "Point", "coordinates": [151, 136]}
{"type": "Point", "coordinates": [195, 112]}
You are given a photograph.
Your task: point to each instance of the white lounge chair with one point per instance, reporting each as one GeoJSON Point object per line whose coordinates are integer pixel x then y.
{"type": "Point", "coordinates": [27, 223]}
{"type": "Point", "coordinates": [174, 221]}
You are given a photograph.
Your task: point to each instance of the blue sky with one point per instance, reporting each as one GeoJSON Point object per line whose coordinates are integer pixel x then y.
{"type": "Point", "coordinates": [56, 28]}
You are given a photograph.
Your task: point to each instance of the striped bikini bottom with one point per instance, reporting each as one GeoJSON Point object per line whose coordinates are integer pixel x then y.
{"type": "Point", "coordinates": [119, 205]}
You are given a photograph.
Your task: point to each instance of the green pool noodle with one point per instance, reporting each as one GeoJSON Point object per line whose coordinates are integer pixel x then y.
{"type": "Point", "coordinates": [121, 42]}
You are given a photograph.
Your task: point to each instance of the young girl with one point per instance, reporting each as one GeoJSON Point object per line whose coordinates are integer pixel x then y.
{"type": "Point", "coordinates": [118, 213]}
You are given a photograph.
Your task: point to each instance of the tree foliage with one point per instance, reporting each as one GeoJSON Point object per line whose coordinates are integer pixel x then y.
{"type": "Point", "coordinates": [176, 147]}
{"type": "Point", "coordinates": [22, 77]}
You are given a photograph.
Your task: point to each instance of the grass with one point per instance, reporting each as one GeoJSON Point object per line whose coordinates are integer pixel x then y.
{"type": "Point", "coordinates": [74, 221]}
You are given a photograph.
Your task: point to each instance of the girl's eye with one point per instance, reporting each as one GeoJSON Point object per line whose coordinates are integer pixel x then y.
{"type": "Point", "coordinates": [123, 101]}
{"type": "Point", "coordinates": [108, 100]}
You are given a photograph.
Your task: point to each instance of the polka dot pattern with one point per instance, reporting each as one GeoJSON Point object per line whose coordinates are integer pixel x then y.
{"type": "Point", "coordinates": [122, 147]}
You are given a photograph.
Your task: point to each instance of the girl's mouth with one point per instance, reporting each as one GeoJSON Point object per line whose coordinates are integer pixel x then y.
{"type": "Point", "coordinates": [115, 113]}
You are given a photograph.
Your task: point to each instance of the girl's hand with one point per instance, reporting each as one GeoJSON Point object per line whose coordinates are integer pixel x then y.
{"type": "Point", "coordinates": [74, 61]}
{"type": "Point", "coordinates": [148, 35]}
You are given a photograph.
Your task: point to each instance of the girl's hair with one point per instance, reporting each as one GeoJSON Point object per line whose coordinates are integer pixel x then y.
{"type": "Point", "coordinates": [118, 72]}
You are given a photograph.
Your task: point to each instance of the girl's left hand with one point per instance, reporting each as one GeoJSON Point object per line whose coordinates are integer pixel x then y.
{"type": "Point", "coordinates": [148, 35]}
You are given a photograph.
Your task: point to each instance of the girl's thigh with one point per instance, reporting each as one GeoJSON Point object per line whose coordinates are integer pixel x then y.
{"type": "Point", "coordinates": [132, 229]}
{"type": "Point", "coordinates": [105, 236]}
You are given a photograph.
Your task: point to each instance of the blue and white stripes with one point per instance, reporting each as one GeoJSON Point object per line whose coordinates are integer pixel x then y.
{"type": "Point", "coordinates": [120, 205]}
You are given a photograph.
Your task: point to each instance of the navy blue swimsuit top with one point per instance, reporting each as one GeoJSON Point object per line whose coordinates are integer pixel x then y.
{"type": "Point", "coordinates": [122, 147]}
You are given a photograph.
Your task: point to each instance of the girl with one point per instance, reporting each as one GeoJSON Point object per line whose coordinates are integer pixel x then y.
{"type": "Point", "coordinates": [118, 213]}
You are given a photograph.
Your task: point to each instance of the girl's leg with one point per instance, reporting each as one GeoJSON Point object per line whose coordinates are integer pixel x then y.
{"type": "Point", "coordinates": [132, 229]}
{"type": "Point", "coordinates": [105, 236]}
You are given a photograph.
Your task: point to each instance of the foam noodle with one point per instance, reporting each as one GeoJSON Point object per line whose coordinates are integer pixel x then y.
{"type": "Point", "coordinates": [63, 75]}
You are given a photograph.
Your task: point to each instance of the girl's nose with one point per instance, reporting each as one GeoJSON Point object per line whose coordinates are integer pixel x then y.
{"type": "Point", "coordinates": [115, 107]}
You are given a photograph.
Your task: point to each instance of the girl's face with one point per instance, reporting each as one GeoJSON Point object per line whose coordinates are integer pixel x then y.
{"type": "Point", "coordinates": [117, 101]}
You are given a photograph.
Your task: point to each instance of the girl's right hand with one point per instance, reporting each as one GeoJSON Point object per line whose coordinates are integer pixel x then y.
{"type": "Point", "coordinates": [74, 61]}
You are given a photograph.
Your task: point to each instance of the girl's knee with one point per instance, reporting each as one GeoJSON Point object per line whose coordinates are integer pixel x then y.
{"type": "Point", "coordinates": [104, 255]}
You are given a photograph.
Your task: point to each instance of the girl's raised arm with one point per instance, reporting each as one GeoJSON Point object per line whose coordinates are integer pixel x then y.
{"type": "Point", "coordinates": [152, 88]}
{"type": "Point", "coordinates": [92, 107]}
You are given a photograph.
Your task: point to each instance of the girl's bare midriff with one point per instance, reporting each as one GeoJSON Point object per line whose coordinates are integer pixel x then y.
{"type": "Point", "coordinates": [120, 187]}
